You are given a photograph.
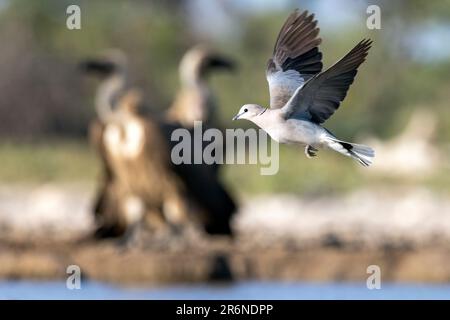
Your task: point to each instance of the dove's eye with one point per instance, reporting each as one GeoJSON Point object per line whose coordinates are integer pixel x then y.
{"type": "Point", "coordinates": [245, 110]}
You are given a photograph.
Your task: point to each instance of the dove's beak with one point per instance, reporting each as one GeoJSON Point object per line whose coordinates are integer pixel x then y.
{"type": "Point", "coordinates": [236, 117]}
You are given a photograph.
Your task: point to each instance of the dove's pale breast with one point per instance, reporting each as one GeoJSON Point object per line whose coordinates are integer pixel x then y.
{"type": "Point", "coordinates": [291, 131]}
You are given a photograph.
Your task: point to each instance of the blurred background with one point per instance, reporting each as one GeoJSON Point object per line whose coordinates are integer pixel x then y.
{"type": "Point", "coordinates": [325, 219]}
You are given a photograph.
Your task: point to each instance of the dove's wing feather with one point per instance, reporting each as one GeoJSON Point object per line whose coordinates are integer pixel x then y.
{"type": "Point", "coordinates": [319, 97]}
{"type": "Point", "coordinates": [296, 57]}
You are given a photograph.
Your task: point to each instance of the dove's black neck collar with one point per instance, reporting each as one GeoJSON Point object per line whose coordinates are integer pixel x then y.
{"type": "Point", "coordinates": [265, 109]}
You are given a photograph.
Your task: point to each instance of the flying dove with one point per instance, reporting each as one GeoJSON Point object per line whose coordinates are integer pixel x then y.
{"type": "Point", "coordinates": [302, 96]}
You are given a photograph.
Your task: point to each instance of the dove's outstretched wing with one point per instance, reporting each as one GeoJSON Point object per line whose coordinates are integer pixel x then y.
{"type": "Point", "coordinates": [319, 97]}
{"type": "Point", "coordinates": [296, 57]}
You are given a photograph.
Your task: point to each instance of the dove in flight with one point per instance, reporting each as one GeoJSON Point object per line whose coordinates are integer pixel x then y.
{"type": "Point", "coordinates": [302, 96]}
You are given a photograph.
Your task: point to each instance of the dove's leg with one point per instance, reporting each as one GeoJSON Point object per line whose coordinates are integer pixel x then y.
{"type": "Point", "coordinates": [310, 151]}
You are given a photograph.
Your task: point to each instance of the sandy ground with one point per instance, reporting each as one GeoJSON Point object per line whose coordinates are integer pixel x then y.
{"type": "Point", "coordinates": [371, 217]}
{"type": "Point", "coordinates": [405, 232]}
{"type": "Point", "coordinates": [61, 211]}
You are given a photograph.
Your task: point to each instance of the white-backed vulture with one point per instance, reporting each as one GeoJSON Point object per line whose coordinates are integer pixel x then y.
{"type": "Point", "coordinates": [195, 101]}
{"type": "Point", "coordinates": [138, 179]}
{"type": "Point", "coordinates": [111, 68]}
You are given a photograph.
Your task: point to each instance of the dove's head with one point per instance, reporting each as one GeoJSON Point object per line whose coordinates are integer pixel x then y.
{"type": "Point", "coordinates": [249, 111]}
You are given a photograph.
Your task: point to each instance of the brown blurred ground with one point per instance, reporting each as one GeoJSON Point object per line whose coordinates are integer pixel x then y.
{"type": "Point", "coordinates": [280, 237]}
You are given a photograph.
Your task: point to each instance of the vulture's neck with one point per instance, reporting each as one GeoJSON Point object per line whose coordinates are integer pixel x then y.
{"type": "Point", "coordinates": [107, 95]}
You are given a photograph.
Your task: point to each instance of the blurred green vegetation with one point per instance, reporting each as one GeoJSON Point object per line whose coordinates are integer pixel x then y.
{"type": "Point", "coordinates": [44, 98]}
{"type": "Point", "coordinates": [52, 161]}
{"type": "Point", "coordinates": [65, 161]}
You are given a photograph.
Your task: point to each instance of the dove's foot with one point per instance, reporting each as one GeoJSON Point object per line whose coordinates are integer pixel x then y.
{"type": "Point", "coordinates": [310, 151]}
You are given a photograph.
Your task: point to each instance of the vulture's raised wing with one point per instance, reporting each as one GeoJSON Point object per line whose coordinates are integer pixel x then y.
{"type": "Point", "coordinates": [319, 97]}
{"type": "Point", "coordinates": [296, 57]}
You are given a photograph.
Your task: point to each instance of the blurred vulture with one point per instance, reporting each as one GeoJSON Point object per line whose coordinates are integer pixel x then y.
{"type": "Point", "coordinates": [195, 102]}
{"type": "Point", "coordinates": [139, 180]}
{"type": "Point", "coordinates": [111, 68]}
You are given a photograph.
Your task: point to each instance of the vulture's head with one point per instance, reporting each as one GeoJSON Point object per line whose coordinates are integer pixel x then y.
{"type": "Point", "coordinates": [112, 61]}
{"type": "Point", "coordinates": [200, 61]}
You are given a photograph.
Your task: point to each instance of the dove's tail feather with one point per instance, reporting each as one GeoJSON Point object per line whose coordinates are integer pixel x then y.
{"type": "Point", "coordinates": [363, 154]}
